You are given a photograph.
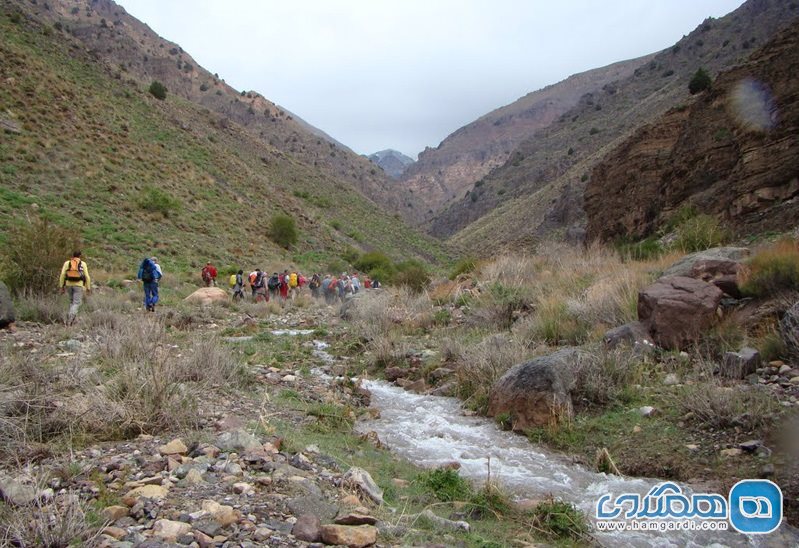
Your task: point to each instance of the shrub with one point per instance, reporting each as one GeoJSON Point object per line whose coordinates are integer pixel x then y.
{"type": "Point", "coordinates": [158, 90]}
{"type": "Point", "coordinates": [644, 250]}
{"type": "Point", "coordinates": [283, 230]}
{"type": "Point", "coordinates": [35, 253]}
{"type": "Point", "coordinates": [44, 309]}
{"type": "Point", "coordinates": [773, 269]}
{"type": "Point", "coordinates": [412, 275]}
{"type": "Point", "coordinates": [558, 519]}
{"type": "Point", "coordinates": [699, 82]}
{"type": "Point", "coordinates": [445, 484]}
{"type": "Point", "coordinates": [602, 378]}
{"type": "Point", "coordinates": [700, 233]}
{"type": "Point", "coordinates": [464, 266]}
{"type": "Point", "coordinates": [155, 200]}
{"type": "Point", "coordinates": [747, 407]}
{"type": "Point", "coordinates": [373, 260]}
{"type": "Point", "coordinates": [64, 521]}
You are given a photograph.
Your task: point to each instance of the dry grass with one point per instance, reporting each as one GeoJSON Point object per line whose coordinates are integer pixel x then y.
{"type": "Point", "coordinates": [717, 406]}
{"type": "Point", "coordinates": [603, 377]}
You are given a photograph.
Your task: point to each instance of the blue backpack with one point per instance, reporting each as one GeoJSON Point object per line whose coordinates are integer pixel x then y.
{"type": "Point", "coordinates": [148, 271]}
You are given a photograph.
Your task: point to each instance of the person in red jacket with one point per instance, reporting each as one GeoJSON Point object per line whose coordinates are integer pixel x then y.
{"type": "Point", "coordinates": [209, 275]}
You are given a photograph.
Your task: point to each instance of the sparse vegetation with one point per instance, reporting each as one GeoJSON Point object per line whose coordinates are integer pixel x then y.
{"type": "Point", "coordinates": [700, 232]}
{"type": "Point", "coordinates": [700, 82]}
{"type": "Point", "coordinates": [158, 90]}
{"type": "Point", "coordinates": [773, 269]}
{"type": "Point", "coordinates": [156, 200]}
{"type": "Point", "coordinates": [283, 231]}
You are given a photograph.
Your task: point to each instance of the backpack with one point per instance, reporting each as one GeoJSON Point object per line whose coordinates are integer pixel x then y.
{"type": "Point", "coordinates": [232, 280]}
{"type": "Point", "coordinates": [206, 274]}
{"type": "Point", "coordinates": [273, 283]}
{"type": "Point", "coordinates": [259, 280]}
{"type": "Point", "coordinates": [252, 277]}
{"type": "Point", "coordinates": [293, 279]}
{"type": "Point", "coordinates": [148, 273]}
{"type": "Point", "coordinates": [75, 271]}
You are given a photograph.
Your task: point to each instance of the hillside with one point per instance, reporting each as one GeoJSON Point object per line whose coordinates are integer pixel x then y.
{"type": "Point", "coordinates": [444, 173]}
{"type": "Point", "coordinates": [392, 162]}
{"type": "Point", "coordinates": [131, 50]}
{"type": "Point", "coordinates": [88, 146]}
{"type": "Point", "coordinates": [539, 190]}
{"type": "Point", "coordinates": [733, 153]}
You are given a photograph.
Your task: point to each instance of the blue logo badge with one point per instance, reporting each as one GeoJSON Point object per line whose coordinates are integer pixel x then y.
{"type": "Point", "coordinates": [755, 506]}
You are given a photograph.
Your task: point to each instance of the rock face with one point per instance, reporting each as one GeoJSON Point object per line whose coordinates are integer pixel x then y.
{"type": "Point", "coordinates": [789, 330]}
{"type": "Point", "coordinates": [393, 162]}
{"type": "Point", "coordinates": [7, 316]}
{"type": "Point", "coordinates": [677, 310]}
{"type": "Point", "coordinates": [206, 296]}
{"type": "Point", "coordinates": [733, 153]}
{"type": "Point", "coordinates": [719, 266]}
{"type": "Point", "coordinates": [535, 393]}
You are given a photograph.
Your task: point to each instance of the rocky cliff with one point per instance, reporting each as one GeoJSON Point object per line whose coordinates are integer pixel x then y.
{"type": "Point", "coordinates": [392, 162]}
{"type": "Point", "coordinates": [733, 153]}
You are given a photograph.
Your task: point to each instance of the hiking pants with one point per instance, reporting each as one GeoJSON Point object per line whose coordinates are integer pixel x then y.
{"type": "Point", "coordinates": [150, 294]}
{"type": "Point", "coordinates": [75, 293]}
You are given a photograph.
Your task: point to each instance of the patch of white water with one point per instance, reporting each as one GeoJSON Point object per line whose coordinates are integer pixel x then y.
{"type": "Point", "coordinates": [431, 431]}
{"type": "Point", "coordinates": [292, 332]}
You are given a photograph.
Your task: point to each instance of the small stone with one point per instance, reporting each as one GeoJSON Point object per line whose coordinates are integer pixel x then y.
{"type": "Point", "coordinates": [242, 488]}
{"type": "Point", "coordinates": [233, 469]}
{"type": "Point", "coordinates": [223, 514]}
{"type": "Point", "coordinates": [671, 379]}
{"type": "Point", "coordinates": [750, 446]}
{"type": "Point", "coordinates": [767, 470]}
{"type": "Point", "coordinates": [262, 534]}
{"type": "Point", "coordinates": [170, 530]}
{"type": "Point", "coordinates": [734, 452]}
{"type": "Point", "coordinates": [692, 447]}
{"type": "Point", "coordinates": [355, 519]}
{"type": "Point", "coordinates": [113, 513]}
{"type": "Point", "coordinates": [174, 447]}
{"type": "Point", "coordinates": [194, 477]}
{"type": "Point", "coordinates": [266, 481]}
{"type": "Point", "coordinates": [784, 369]}
{"type": "Point", "coordinates": [647, 411]}
{"type": "Point", "coordinates": [354, 537]}
{"type": "Point", "coordinates": [289, 378]}
{"type": "Point", "coordinates": [116, 532]}
{"type": "Point", "coordinates": [156, 492]}
{"type": "Point", "coordinates": [203, 540]}
{"type": "Point", "coordinates": [795, 380]}
{"type": "Point", "coordinates": [307, 528]}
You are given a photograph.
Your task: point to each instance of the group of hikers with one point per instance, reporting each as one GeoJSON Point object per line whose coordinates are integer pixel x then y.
{"type": "Point", "coordinates": [75, 280]}
{"type": "Point", "coordinates": [289, 284]}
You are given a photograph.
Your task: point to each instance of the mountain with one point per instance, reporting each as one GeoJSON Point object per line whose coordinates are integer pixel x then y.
{"type": "Point", "coordinates": [393, 162]}
{"type": "Point", "coordinates": [444, 173]}
{"type": "Point", "coordinates": [538, 192]}
{"type": "Point", "coordinates": [197, 175]}
{"type": "Point", "coordinates": [733, 153]}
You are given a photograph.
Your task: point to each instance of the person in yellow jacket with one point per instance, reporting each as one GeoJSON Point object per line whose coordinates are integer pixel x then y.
{"type": "Point", "coordinates": [74, 280]}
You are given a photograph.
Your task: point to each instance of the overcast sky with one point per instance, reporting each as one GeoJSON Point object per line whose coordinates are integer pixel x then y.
{"type": "Point", "coordinates": [404, 74]}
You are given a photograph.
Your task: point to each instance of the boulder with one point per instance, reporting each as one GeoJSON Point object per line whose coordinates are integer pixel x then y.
{"type": "Point", "coordinates": [737, 365]}
{"type": "Point", "coordinates": [678, 310]}
{"type": "Point", "coordinates": [206, 296]}
{"type": "Point", "coordinates": [169, 530]}
{"type": "Point", "coordinates": [719, 266]}
{"type": "Point", "coordinates": [237, 440]}
{"type": "Point", "coordinates": [632, 334]}
{"type": "Point", "coordinates": [361, 480]}
{"type": "Point", "coordinates": [535, 393]}
{"type": "Point", "coordinates": [789, 330]}
{"type": "Point", "coordinates": [7, 316]}
{"type": "Point", "coordinates": [346, 535]}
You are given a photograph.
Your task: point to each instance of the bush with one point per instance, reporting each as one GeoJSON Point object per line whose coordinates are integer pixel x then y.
{"type": "Point", "coordinates": [644, 250]}
{"type": "Point", "coordinates": [372, 260]}
{"type": "Point", "coordinates": [412, 275]}
{"type": "Point", "coordinates": [747, 407]}
{"type": "Point", "coordinates": [446, 484]}
{"type": "Point", "coordinates": [35, 253]}
{"type": "Point", "coordinates": [699, 82]}
{"type": "Point", "coordinates": [158, 90]}
{"type": "Point", "coordinates": [283, 230]}
{"type": "Point", "coordinates": [464, 266]}
{"type": "Point", "coordinates": [558, 519]}
{"type": "Point", "coordinates": [700, 233]}
{"type": "Point", "coordinates": [774, 269]}
{"type": "Point", "coordinates": [155, 200]}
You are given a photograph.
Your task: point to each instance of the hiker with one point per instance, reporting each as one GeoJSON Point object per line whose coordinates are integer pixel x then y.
{"type": "Point", "coordinates": [284, 285]}
{"type": "Point", "coordinates": [344, 286]}
{"type": "Point", "coordinates": [294, 284]}
{"type": "Point", "coordinates": [314, 285]}
{"type": "Point", "coordinates": [367, 282]}
{"type": "Point", "coordinates": [209, 275]}
{"type": "Point", "coordinates": [376, 283]}
{"type": "Point", "coordinates": [356, 283]}
{"type": "Point", "coordinates": [326, 283]}
{"type": "Point", "coordinates": [74, 279]}
{"type": "Point", "coordinates": [149, 273]}
{"type": "Point", "coordinates": [273, 284]}
{"type": "Point", "coordinates": [258, 285]}
{"type": "Point", "coordinates": [238, 285]}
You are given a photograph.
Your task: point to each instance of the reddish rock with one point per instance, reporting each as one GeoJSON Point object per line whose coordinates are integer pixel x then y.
{"type": "Point", "coordinates": [354, 537]}
{"type": "Point", "coordinates": [678, 310]}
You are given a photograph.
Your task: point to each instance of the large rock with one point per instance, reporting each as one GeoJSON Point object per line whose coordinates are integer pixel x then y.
{"type": "Point", "coordinates": [7, 316]}
{"type": "Point", "coordinates": [535, 393]}
{"type": "Point", "coordinates": [206, 296]}
{"type": "Point", "coordinates": [631, 334]}
{"type": "Point", "coordinates": [360, 479]}
{"type": "Point", "coordinates": [678, 310]}
{"type": "Point", "coordinates": [307, 528]}
{"type": "Point", "coordinates": [789, 330]}
{"type": "Point", "coordinates": [169, 530]}
{"type": "Point", "coordinates": [719, 266]}
{"type": "Point", "coordinates": [345, 535]}
{"type": "Point", "coordinates": [737, 365]}
{"type": "Point", "coordinates": [237, 440]}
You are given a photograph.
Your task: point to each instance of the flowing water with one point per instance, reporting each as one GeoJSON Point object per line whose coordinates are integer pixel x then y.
{"type": "Point", "coordinates": [431, 431]}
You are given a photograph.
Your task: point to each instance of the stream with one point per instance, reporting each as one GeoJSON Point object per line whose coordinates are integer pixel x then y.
{"type": "Point", "coordinates": [432, 431]}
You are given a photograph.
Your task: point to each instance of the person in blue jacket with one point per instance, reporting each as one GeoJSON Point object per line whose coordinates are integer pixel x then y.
{"type": "Point", "coordinates": [149, 274]}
